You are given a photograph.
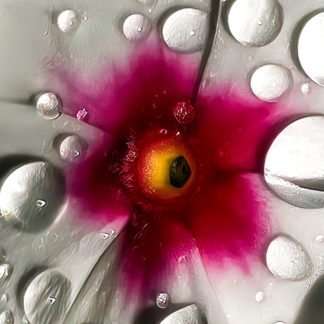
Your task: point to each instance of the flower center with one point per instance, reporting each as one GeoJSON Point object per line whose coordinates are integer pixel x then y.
{"type": "Point", "coordinates": [180, 172]}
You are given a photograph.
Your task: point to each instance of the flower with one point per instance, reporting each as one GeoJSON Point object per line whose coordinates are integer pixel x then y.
{"type": "Point", "coordinates": [185, 172]}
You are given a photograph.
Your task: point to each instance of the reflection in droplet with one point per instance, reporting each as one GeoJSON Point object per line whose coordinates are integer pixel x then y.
{"type": "Point", "coordinates": [287, 259]}
{"type": "Point", "coordinates": [269, 82]}
{"type": "Point", "coordinates": [311, 48]}
{"type": "Point", "coordinates": [6, 317]}
{"type": "Point", "coordinates": [186, 30]}
{"type": "Point", "coordinates": [46, 298]}
{"type": "Point", "coordinates": [136, 27]}
{"type": "Point", "coordinates": [66, 20]}
{"type": "Point", "coordinates": [162, 300]}
{"type": "Point", "coordinates": [255, 22]}
{"type": "Point", "coordinates": [21, 191]}
{"type": "Point", "coordinates": [49, 105]}
{"type": "Point", "coordinates": [70, 148]}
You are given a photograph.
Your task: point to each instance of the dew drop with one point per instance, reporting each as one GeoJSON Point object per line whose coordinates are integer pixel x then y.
{"type": "Point", "coordinates": [46, 298]}
{"type": "Point", "coordinates": [49, 105]}
{"type": "Point", "coordinates": [311, 48]}
{"type": "Point", "coordinates": [269, 82]}
{"type": "Point", "coordinates": [6, 317]}
{"type": "Point", "coordinates": [319, 239]}
{"type": "Point", "coordinates": [163, 131]}
{"type": "Point", "coordinates": [305, 89]}
{"type": "Point", "coordinates": [255, 22]}
{"type": "Point", "coordinates": [66, 20]}
{"type": "Point", "coordinates": [136, 27]}
{"type": "Point", "coordinates": [70, 148]}
{"type": "Point", "coordinates": [20, 193]}
{"type": "Point", "coordinates": [260, 296]}
{"type": "Point", "coordinates": [186, 30]}
{"type": "Point", "coordinates": [287, 259]}
{"type": "Point", "coordinates": [162, 300]}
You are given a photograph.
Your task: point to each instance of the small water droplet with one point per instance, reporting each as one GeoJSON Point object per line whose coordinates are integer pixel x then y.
{"type": "Point", "coordinates": [82, 114]}
{"type": "Point", "coordinates": [66, 20]}
{"type": "Point", "coordinates": [287, 259]}
{"type": "Point", "coordinates": [162, 300]}
{"type": "Point", "coordinates": [306, 89]}
{"type": "Point", "coordinates": [136, 27]}
{"type": "Point", "coordinates": [319, 239]}
{"type": "Point", "coordinates": [260, 296]}
{"type": "Point", "coordinates": [269, 82]}
{"type": "Point", "coordinates": [184, 112]}
{"type": "Point", "coordinates": [260, 22]}
{"type": "Point", "coordinates": [192, 33]}
{"type": "Point", "coordinates": [70, 148]}
{"type": "Point", "coordinates": [40, 203]}
{"type": "Point", "coordinates": [49, 105]}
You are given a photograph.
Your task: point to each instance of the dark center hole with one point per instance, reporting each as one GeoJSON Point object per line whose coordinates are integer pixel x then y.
{"type": "Point", "coordinates": [180, 172]}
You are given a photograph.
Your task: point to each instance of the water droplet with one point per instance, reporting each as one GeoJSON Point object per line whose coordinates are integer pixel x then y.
{"type": "Point", "coordinates": [279, 322]}
{"type": "Point", "coordinates": [184, 112]}
{"type": "Point", "coordinates": [255, 22]}
{"type": "Point", "coordinates": [162, 300]}
{"type": "Point", "coordinates": [20, 194]}
{"type": "Point", "coordinates": [299, 144]}
{"type": "Point", "coordinates": [70, 148]}
{"type": "Point", "coordinates": [186, 315]}
{"type": "Point", "coordinates": [287, 259]}
{"type": "Point", "coordinates": [46, 298]}
{"type": "Point", "coordinates": [40, 203]}
{"type": "Point", "coordinates": [66, 20]}
{"type": "Point", "coordinates": [5, 272]}
{"type": "Point", "coordinates": [305, 89]}
{"type": "Point", "coordinates": [319, 239]}
{"type": "Point", "coordinates": [186, 30]}
{"type": "Point", "coordinates": [6, 317]}
{"type": "Point", "coordinates": [49, 105]}
{"type": "Point", "coordinates": [260, 296]}
{"type": "Point", "coordinates": [82, 114]}
{"type": "Point", "coordinates": [311, 48]}
{"type": "Point", "coordinates": [136, 27]}
{"type": "Point", "coordinates": [269, 82]}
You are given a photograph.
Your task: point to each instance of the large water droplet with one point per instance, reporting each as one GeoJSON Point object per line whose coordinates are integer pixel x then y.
{"type": "Point", "coordinates": [255, 22]}
{"type": "Point", "coordinates": [311, 48]}
{"type": "Point", "coordinates": [6, 317]}
{"type": "Point", "coordinates": [46, 298]}
{"type": "Point", "coordinates": [287, 259]}
{"type": "Point", "coordinates": [20, 194]}
{"type": "Point", "coordinates": [66, 20]}
{"type": "Point", "coordinates": [136, 27]}
{"type": "Point", "coordinates": [49, 105]}
{"type": "Point", "coordinates": [162, 300]}
{"type": "Point", "coordinates": [186, 30]}
{"type": "Point", "coordinates": [269, 82]}
{"type": "Point", "coordinates": [186, 315]}
{"type": "Point", "coordinates": [294, 163]}
{"type": "Point", "coordinates": [71, 148]}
